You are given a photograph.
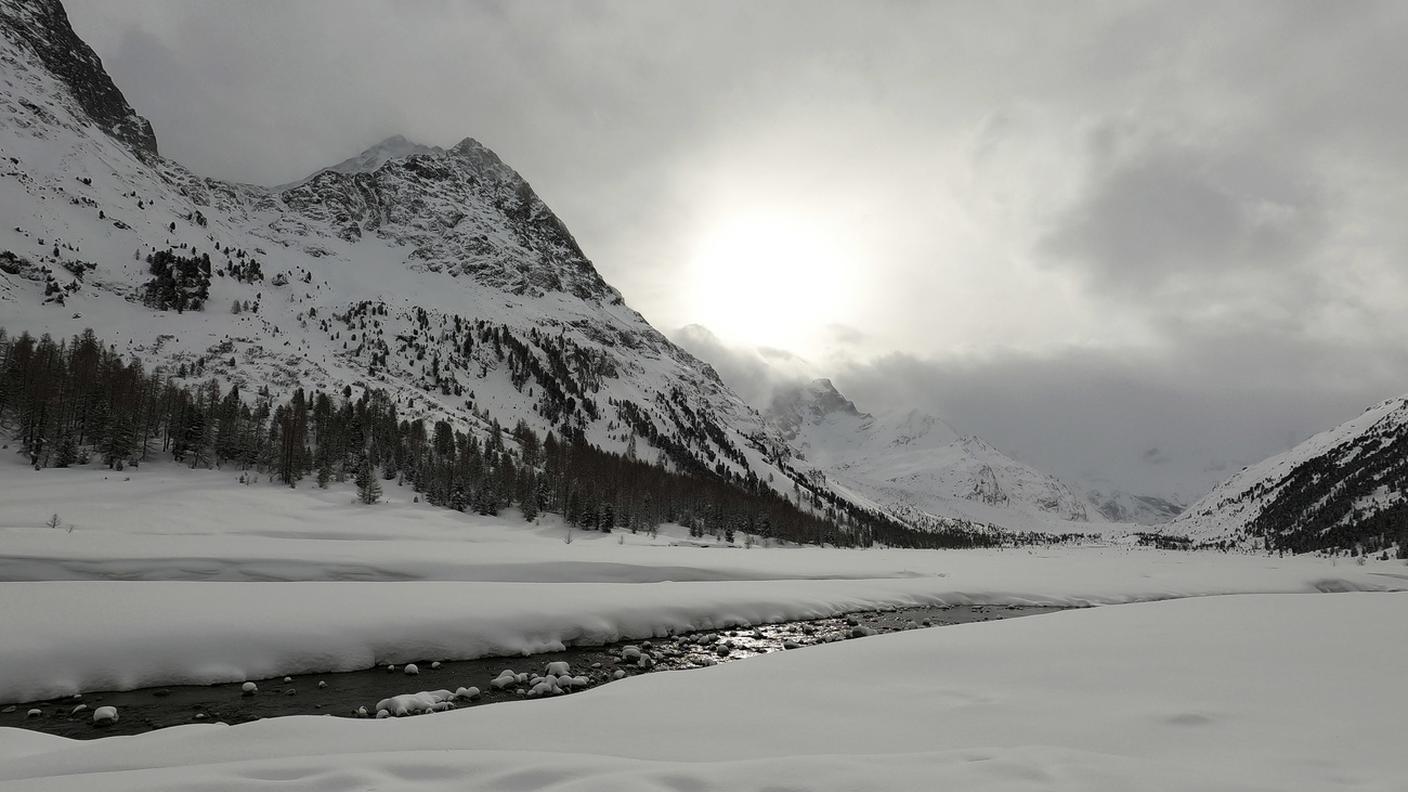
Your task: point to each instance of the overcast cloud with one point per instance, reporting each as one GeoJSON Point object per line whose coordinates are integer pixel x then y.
{"type": "Point", "coordinates": [1141, 242]}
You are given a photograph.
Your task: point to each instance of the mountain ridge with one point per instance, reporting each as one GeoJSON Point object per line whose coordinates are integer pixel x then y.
{"type": "Point", "coordinates": [1341, 489]}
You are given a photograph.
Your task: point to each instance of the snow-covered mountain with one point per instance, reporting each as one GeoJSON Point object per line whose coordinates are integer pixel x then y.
{"type": "Point", "coordinates": [909, 461]}
{"type": "Point", "coordinates": [434, 273]}
{"type": "Point", "coordinates": [1343, 487]}
{"type": "Point", "coordinates": [1117, 505]}
{"type": "Point", "coordinates": [437, 274]}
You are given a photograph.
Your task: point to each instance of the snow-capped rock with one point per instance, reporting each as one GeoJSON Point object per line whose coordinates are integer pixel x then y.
{"type": "Point", "coordinates": [105, 715]}
{"type": "Point", "coordinates": [415, 703]}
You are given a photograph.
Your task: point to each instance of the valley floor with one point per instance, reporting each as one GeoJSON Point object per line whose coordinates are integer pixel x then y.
{"type": "Point", "coordinates": [171, 576]}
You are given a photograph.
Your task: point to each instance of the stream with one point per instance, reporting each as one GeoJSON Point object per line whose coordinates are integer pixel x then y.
{"type": "Point", "coordinates": [344, 693]}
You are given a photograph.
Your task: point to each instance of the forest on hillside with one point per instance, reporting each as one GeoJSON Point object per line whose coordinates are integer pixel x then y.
{"type": "Point", "coordinates": [77, 401]}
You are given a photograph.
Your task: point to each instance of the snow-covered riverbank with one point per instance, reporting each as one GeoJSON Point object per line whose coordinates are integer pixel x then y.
{"type": "Point", "coordinates": [1160, 696]}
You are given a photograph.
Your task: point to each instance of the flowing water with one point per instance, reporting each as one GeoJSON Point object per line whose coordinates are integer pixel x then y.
{"type": "Point", "coordinates": [342, 694]}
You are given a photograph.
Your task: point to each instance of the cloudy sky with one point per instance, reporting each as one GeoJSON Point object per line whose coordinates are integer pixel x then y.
{"type": "Point", "coordinates": [1141, 243]}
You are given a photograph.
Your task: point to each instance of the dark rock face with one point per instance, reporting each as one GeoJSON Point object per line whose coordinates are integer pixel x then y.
{"type": "Point", "coordinates": [43, 26]}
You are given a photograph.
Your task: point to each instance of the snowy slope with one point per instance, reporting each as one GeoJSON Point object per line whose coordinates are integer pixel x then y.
{"type": "Point", "coordinates": [1341, 487]}
{"type": "Point", "coordinates": [911, 462]}
{"type": "Point", "coordinates": [407, 268]}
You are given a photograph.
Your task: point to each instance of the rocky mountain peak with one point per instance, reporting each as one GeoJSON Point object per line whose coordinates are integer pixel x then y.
{"type": "Point", "coordinates": [43, 27]}
{"type": "Point", "coordinates": [485, 161]}
{"type": "Point", "coordinates": [460, 211]}
{"type": "Point", "coordinates": [799, 405]}
{"type": "Point", "coordinates": [394, 147]}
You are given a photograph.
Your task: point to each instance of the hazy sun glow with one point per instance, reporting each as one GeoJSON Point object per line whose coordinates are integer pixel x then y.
{"type": "Point", "coordinates": [771, 279]}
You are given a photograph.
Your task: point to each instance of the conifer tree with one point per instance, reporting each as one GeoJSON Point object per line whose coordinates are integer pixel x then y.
{"type": "Point", "coordinates": [368, 485]}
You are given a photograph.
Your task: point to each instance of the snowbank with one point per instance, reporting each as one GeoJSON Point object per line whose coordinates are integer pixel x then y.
{"type": "Point", "coordinates": [65, 637]}
{"type": "Point", "coordinates": [1220, 693]}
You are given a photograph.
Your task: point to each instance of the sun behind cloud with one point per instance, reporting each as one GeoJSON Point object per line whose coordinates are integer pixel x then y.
{"type": "Point", "coordinates": [772, 278]}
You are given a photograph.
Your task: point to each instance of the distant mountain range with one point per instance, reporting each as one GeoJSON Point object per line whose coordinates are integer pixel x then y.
{"type": "Point", "coordinates": [917, 462]}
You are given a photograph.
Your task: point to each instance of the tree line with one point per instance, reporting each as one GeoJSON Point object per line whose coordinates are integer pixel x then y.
{"type": "Point", "coordinates": [78, 401]}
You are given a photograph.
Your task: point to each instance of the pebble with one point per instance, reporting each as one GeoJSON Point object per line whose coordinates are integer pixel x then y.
{"type": "Point", "coordinates": [435, 665]}
{"type": "Point", "coordinates": [78, 709]}
{"type": "Point", "coordinates": [103, 715]}
{"type": "Point", "coordinates": [410, 670]}
{"type": "Point", "coordinates": [34, 713]}
{"type": "Point", "coordinates": [249, 688]}
{"type": "Point", "coordinates": [322, 684]}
